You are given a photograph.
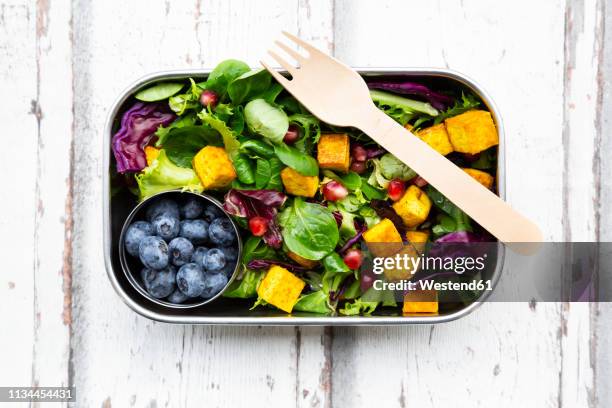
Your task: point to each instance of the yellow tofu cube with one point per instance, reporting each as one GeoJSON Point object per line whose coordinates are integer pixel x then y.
{"type": "Point", "coordinates": [280, 288]}
{"type": "Point", "coordinates": [417, 237]}
{"type": "Point", "coordinates": [406, 267]}
{"type": "Point", "coordinates": [437, 137]}
{"type": "Point", "coordinates": [480, 176]}
{"type": "Point", "coordinates": [333, 152]}
{"type": "Point", "coordinates": [299, 185]}
{"type": "Point", "coordinates": [420, 301]}
{"type": "Point", "coordinates": [151, 154]}
{"type": "Point", "coordinates": [306, 263]}
{"type": "Point", "coordinates": [413, 207]}
{"type": "Point", "coordinates": [214, 168]}
{"type": "Point", "coordinates": [383, 239]}
{"type": "Point", "coordinates": [472, 131]}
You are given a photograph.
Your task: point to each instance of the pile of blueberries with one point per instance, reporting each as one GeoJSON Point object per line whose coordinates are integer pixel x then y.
{"type": "Point", "coordinates": [188, 249]}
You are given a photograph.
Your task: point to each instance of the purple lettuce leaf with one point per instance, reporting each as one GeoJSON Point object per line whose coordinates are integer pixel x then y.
{"type": "Point", "coordinates": [138, 125]}
{"type": "Point", "coordinates": [437, 100]}
{"type": "Point", "coordinates": [258, 203]}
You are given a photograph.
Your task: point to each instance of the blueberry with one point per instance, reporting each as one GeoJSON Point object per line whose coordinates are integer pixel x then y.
{"type": "Point", "coordinates": [153, 252]}
{"type": "Point", "coordinates": [177, 297]}
{"type": "Point", "coordinates": [231, 253]}
{"type": "Point", "coordinates": [214, 260]}
{"type": "Point", "coordinates": [198, 255]}
{"type": "Point", "coordinates": [181, 250]}
{"type": "Point", "coordinates": [212, 212]}
{"type": "Point", "coordinates": [192, 208]}
{"type": "Point", "coordinates": [213, 284]}
{"type": "Point", "coordinates": [166, 227]}
{"type": "Point", "coordinates": [190, 279]}
{"type": "Point", "coordinates": [161, 283]}
{"type": "Point", "coordinates": [222, 232]}
{"type": "Point", "coordinates": [134, 234]}
{"type": "Point", "coordinates": [194, 230]}
{"type": "Point", "coordinates": [162, 206]}
{"type": "Point", "coordinates": [228, 269]}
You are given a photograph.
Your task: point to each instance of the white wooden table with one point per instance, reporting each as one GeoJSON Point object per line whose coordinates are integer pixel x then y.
{"type": "Point", "coordinates": [548, 66]}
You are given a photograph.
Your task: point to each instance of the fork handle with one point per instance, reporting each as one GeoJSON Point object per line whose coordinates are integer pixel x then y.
{"type": "Point", "coordinates": [481, 204]}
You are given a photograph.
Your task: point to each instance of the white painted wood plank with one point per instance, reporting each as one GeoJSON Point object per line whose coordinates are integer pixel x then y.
{"type": "Point", "coordinates": [158, 363]}
{"type": "Point", "coordinates": [506, 351]}
{"type": "Point", "coordinates": [52, 270]}
{"type": "Point", "coordinates": [36, 162]}
{"type": "Point", "coordinates": [18, 79]}
{"type": "Point", "coordinates": [601, 345]}
{"type": "Point", "coordinates": [583, 52]}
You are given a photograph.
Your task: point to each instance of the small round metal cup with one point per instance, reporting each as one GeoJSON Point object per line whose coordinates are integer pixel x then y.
{"type": "Point", "coordinates": [132, 267]}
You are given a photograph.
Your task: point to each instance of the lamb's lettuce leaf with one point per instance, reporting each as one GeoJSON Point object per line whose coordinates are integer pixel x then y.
{"type": "Point", "coordinates": [266, 120]}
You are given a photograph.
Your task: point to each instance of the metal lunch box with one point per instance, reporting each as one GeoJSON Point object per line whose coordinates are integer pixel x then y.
{"type": "Point", "coordinates": [117, 207]}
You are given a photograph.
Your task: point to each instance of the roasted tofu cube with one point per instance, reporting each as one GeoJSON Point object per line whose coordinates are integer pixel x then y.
{"type": "Point", "coordinates": [299, 185]}
{"type": "Point", "coordinates": [436, 137]}
{"type": "Point", "coordinates": [151, 154]}
{"type": "Point", "coordinates": [306, 263]}
{"type": "Point", "coordinates": [417, 237]}
{"type": "Point", "coordinates": [214, 168]}
{"type": "Point", "coordinates": [413, 207]}
{"type": "Point", "coordinates": [407, 266]}
{"type": "Point", "coordinates": [333, 152]}
{"type": "Point", "coordinates": [472, 131]}
{"type": "Point", "coordinates": [383, 239]}
{"type": "Point", "coordinates": [480, 176]}
{"type": "Point", "coordinates": [280, 288]}
{"type": "Point", "coordinates": [420, 301]}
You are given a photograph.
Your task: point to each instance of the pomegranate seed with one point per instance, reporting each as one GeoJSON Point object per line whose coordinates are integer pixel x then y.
{"type": "Point", "coordinates": [209, 98]}
{"type": "Point", "coordinates": [353, 258]}
{"type": "Point", "coordinates": [419, 181]}
{"type": "Point", "coordinates": [334, 191]}
{"type": "Point", "coordinates": [258, 226]}
{"type": "Point", "coordinates": [367, 280]}
{"type": "Point", "coordinates": [292, 135]}
{"type": "Point", "coordinates": [396, 189]}
{"type": "Point", "coordinates": [359, 153]}
{"type": "Point", "coordinates": [358, 167]}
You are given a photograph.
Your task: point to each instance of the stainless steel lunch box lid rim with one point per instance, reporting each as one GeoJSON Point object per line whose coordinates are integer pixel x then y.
{"type": "Point", "coordinates": [294, 320]}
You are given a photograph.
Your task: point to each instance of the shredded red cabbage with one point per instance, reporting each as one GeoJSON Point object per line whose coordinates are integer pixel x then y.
{"type": "Point", "coordinates": [353, 240]}
{"type": "Point", "coordinates": [266, 263]}
{"type": "Point", "coordinates": [436, 99]}
{"type": "Point", "coordinates": [258, 203]}
{"type": "Point", "coordinates": [138, 125]}
{"type": "Point", "coordinates": [374, 152]}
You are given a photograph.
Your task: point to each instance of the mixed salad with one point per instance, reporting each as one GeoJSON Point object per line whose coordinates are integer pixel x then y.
{"type": "Point", "coordinates": [309, 197]}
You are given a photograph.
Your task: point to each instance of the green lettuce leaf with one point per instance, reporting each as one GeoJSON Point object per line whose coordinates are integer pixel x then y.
{"type": "Point", "coordinates": [163, 175]}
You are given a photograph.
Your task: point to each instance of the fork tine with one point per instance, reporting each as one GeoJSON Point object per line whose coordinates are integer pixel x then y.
{"type": "Point", "coordinates": [311, 49]}
{"type": "Point", "coordinates": [281, 79]}
{"type": "Point", "coordinates": [292, 52]}
{"type": "Point", "coordinates": [283, 63]}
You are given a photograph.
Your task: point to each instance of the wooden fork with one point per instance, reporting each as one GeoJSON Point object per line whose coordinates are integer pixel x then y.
{"type": "Point", "coordinates": [338, 95]}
